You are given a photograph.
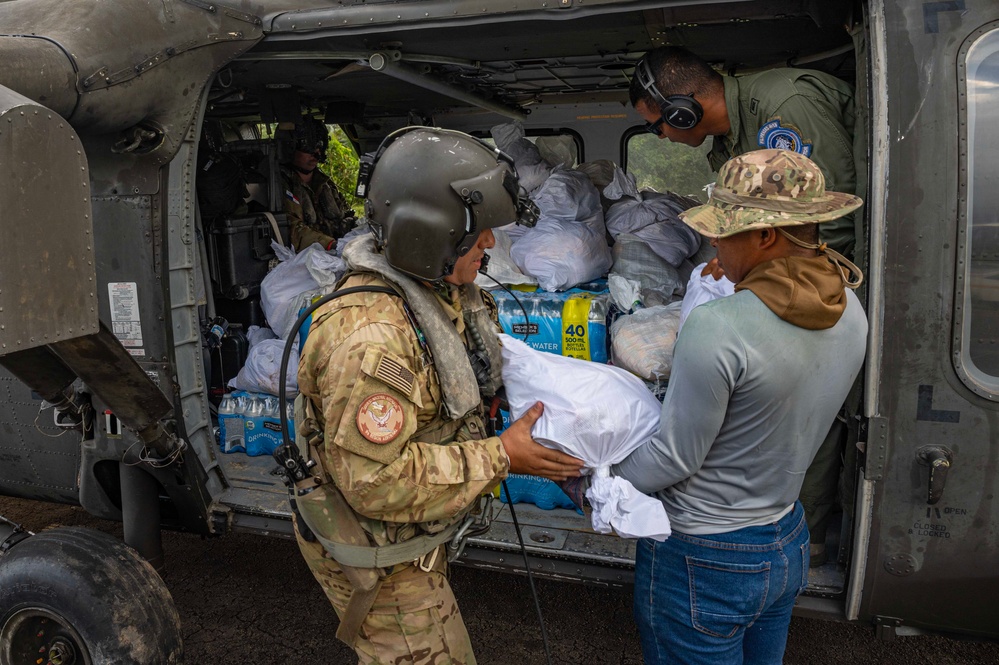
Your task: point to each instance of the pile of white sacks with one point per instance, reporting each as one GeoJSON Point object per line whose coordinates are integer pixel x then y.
{"type": "Point", "coordinates": [595, 222]}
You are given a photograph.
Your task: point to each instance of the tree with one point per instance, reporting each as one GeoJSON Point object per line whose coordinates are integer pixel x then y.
{"type": "Point", "coordinates": [341, 166]}
{"type": "Point", "coordinates": [669, 167]}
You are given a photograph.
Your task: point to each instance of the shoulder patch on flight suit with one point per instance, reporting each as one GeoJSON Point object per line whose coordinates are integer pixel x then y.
{"type": "Point", "coordinates": [774, 135]}
{"type": "Point", "coordinates": [380, 418]}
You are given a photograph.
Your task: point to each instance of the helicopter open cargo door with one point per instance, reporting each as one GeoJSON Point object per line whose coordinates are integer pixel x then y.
{"type": "Point", "coordinates": [47, 274]}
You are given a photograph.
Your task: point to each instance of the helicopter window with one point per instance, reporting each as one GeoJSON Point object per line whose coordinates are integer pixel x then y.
{"type": "Point", "coordinates": [978, 336]}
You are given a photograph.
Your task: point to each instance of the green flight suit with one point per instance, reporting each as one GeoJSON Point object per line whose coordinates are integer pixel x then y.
{"type": "Point", "coordinates": [803, 110]}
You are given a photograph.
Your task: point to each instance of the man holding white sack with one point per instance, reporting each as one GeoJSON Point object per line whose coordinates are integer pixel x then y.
{"type": "Point", "coordinates": [758, 378]}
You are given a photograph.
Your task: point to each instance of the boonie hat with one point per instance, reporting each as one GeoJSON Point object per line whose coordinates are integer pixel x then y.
{"type": "Point", "coordinates": [765, 188]}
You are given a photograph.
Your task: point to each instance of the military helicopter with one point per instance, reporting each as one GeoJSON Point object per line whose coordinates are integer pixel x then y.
{"type": "Point", "coordinates": [111, 271]}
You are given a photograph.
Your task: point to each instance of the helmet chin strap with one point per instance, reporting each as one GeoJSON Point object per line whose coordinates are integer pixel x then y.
{"type": "Point", "coordinates": [303, 171]}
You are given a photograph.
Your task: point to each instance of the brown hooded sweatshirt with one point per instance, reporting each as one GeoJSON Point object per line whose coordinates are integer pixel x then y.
{"type": "Point", "coordinates": [807, 292]}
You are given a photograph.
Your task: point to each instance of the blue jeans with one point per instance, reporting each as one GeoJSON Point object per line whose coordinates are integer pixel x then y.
{"type": "Point", "coordinates": [723, 598]}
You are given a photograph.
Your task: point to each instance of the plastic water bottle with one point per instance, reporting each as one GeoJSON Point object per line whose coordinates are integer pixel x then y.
{"type": "Point", "coordinates": [271, 407]}
{"type": "Point", "coordinates": [255, 409]}
{"type": "Point", "coordinates": [231, 430]}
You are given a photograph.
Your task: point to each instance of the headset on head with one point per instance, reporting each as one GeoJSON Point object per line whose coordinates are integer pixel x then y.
{"type": "Point", "coordinates": [678, 111]}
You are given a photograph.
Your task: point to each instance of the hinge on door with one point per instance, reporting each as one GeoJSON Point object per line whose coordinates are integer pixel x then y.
{"type": "Point", "coordinates": [873, 445]}
{"type": "Point", "coordinates": [885, 628]}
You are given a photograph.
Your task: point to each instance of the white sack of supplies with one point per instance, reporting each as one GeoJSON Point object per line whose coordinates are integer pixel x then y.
{"type": "Point", "coordinates": [597, 413]}
{"type": "Point", "coordinates": [261, 373]}
{"type": "Point", "coordinates": [293, 282]}
{"type": "Point", "coordinates": [701, 289]}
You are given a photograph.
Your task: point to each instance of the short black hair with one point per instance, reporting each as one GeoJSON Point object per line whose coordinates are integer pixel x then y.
{"type": "Point", "coordinates": [804, 232]}
{"type": "Point", "coordinates": [677, 72]}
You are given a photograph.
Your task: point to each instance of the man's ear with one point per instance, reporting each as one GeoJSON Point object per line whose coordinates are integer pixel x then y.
{"type": "Point", "coordinates": [767, 238]}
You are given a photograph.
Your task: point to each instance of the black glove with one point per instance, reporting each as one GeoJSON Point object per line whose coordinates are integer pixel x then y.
{"type": "Point", "coordinates": [575, 489]}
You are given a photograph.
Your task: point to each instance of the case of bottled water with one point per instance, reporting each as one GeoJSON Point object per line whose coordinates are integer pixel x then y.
{"type": "Point", "coordinates": [251, 423]}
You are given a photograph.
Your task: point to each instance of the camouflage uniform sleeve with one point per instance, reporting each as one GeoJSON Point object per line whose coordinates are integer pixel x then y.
{"type": "Point", "coordinates": [298, 208]}
{"type": "Point", "coordinates": [302, 236]}
{"type": "Point", "coordinates": [385, 473]}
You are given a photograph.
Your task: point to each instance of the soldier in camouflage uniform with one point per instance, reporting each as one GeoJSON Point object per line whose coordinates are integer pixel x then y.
{"type": "Point", "coordinates": [757, 379]}
{"type": "Point", "coordinates": [803, 110]}
{"type": "Point", "coordinates": [388, 378]}
{"type": "Point", "coordinates": [317, 212]}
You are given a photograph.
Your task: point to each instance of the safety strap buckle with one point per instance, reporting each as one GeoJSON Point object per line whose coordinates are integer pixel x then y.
{"type": "Point", "coordinates": [427, 560]}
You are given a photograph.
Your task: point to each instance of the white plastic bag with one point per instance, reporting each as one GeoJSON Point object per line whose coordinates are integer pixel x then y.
{"type": "Point", "coordinates": [532, 169]}
{"type": "Point", "coordinates": [359, 230]}
{"type": "Point", "coordinates": [642, 342]}
{"type": "Point", "coordinates": [309, 271]}
{"type": "Point", "coordinates": [672, 240]}
{"type": "Point", "coordinates": [568, 246]}
{"type": "Point", "coordinates": [655, 219]}
{"type": "Point", "coordinates": [622, 186]}
{"type": "Point", "coordinates": [635, 260]}
{"type": "Point", "coordinates": [626, 293]}
{"type": "Point", "coordinates": [599, 171]}
{"type": "Point", "coordinates": [261, 372]}
{"type": "Point", "coordinates": [597, 413]}
{"type": "Point", "coordinates": [702, 289]}
{"type": "Point", "coordinates": [256, 334]}
{"type": "Point", "coordinates": [561, 255]}
{"type": "Point", "coordinates": [557, 150]}
{"type": "Point", "coordinates": [569, 196]}
{"type": "Point", "coordinates": [501, 267]}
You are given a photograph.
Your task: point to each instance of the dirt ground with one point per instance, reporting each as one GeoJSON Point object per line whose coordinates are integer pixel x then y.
{"type": "Point", "coordinates": [249, 599]}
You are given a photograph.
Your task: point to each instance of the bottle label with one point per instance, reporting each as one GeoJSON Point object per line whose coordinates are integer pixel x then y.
{"type": "Point", "coordinates": [575, 326]}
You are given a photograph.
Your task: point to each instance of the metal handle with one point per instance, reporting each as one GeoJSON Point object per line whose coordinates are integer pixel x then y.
{"type": "Point", "coordinates": [938, 458]}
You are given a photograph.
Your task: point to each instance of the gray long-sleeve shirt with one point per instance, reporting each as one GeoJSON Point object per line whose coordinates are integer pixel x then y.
{"type": "Point", "coordinates": [749, 402]}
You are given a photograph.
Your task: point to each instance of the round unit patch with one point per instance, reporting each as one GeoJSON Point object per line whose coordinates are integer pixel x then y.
{"type": "Point", "coordinates": [380, 418]}
{"type": "Point", "coordinates": [773, 135]}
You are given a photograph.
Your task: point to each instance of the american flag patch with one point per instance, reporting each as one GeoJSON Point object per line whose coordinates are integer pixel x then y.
{"type": "Point", "coordinates": [395, 374]}
{"type": "Point", "coordinates": [291, 196]}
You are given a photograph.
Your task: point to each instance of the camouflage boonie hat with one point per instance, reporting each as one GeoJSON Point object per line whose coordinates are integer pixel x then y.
{"type": "Point", "coordinates": [765, 188]}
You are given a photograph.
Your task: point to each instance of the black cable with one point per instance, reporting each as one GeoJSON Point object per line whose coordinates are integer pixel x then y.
{"type": "Point", "coordinates": [513, 513]}
{"type": "Point", "coordinates": [530, 575]}
{"type": "Point", "coordinates": [527, 321]}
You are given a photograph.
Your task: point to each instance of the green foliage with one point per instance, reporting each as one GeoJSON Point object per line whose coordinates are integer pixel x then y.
{"type": "Point", "coordinates": [661, 165]}
{"type": "Point", "coordinates": [341, 166]}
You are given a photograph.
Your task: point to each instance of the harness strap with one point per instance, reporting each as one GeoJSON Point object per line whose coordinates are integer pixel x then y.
{"type": "Point", "coordinates": [357, 610]}
{"type": "Point", "coordinates": [386, 556]}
